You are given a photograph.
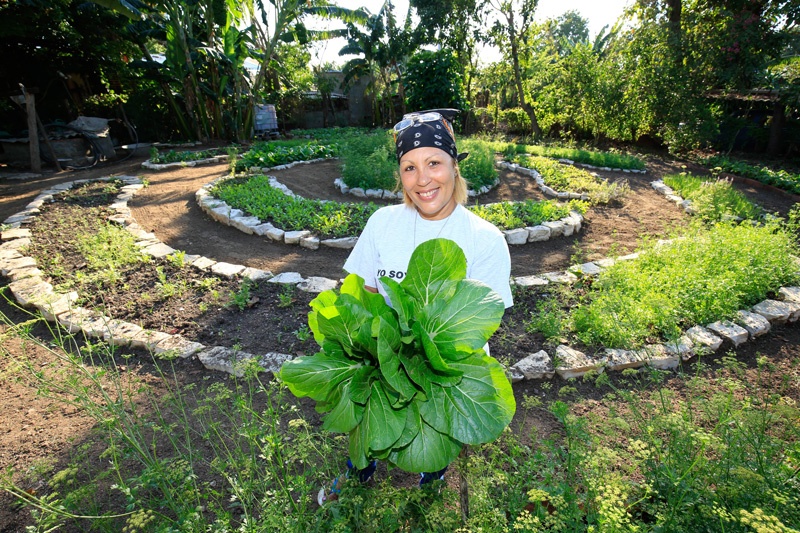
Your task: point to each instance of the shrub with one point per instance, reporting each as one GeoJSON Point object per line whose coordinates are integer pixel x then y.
{"type": "Point", "coordinates": [369, 162]}
{"type": "Point", "coordinates": [516, 119]}
{"type": "Point", "coordinates": [478, 169]}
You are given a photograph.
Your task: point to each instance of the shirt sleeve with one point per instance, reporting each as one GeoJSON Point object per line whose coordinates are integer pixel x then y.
{"type": "Point", "coordinates": [493, 267]}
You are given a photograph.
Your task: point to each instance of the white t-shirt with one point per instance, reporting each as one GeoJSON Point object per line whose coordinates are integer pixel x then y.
{"type": "Point", "coordinates": [391, 234]}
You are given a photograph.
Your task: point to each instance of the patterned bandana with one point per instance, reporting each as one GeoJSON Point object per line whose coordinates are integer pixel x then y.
{"type": "Point", "coordinates": [425, 128]}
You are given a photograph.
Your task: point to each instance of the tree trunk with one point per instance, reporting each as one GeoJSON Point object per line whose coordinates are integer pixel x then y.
{"type": "Point", "coordinates": [674, 8]}
{"type": "Point", "coordinates": [776, 129]}
{"type": "Point", "coordinates": [528, 108]}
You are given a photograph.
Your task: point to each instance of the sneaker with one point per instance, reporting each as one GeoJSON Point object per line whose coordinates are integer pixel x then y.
{"type": "Point", "coordinates": [429, 477]}
{"type": "Point", "coordinates": [363, 475]}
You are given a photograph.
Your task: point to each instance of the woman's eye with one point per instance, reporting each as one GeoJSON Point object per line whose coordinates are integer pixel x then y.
{"type": "Point", "coordinates": [408, 169]}
{"type": "Point", "coordinates": [433, 163]}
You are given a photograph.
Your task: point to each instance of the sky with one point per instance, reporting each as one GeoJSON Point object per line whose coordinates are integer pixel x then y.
{"type": "Point", "coordinates": [596, 12]}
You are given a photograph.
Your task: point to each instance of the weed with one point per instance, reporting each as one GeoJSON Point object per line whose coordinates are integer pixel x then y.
{"type": "Point", "coordinates": [286, 297]}
{"type": "Point", "coordinates": [242, 298]}
{"type": "Point", "coordinates": [177, 259]}
{"type": "Point", "coordinates": [302, 333]}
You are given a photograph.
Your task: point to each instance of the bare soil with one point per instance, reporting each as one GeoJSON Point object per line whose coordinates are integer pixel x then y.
{"type": "Point", "coordinates": [38, 434]}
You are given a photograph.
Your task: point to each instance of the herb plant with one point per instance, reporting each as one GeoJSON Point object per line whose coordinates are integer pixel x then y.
{"type": "Point", "coordinates": [411, 383]}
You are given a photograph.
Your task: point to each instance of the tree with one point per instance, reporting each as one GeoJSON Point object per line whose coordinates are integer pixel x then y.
{"type": "Point", "coordinates": [508, 33]}
{"type": "Point", "coordinates": [434, 80]}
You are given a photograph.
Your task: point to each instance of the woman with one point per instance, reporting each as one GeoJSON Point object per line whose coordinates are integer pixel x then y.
{"type": "Point", "coordinates": [433, 196]}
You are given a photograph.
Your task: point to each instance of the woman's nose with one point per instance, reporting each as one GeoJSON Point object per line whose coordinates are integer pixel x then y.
{"type": "Point", "coordinates": [423, 178]}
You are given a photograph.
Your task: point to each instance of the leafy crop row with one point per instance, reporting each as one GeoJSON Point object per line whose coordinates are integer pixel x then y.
{"type": "Point", "coordinates": [173, 156]}
{"type": "Point", "coordinates": [270, 154]}
{"type": "Point", "coordinates": [712, 200]}
{"type": "Point", "coordinates": [510, 215]}
{"type": "Point", "coordinates": [706, 275]}
{"type": "Point", "coordinates": [598, 159]}
{"type": "Point", "coordinates": [778, 178]}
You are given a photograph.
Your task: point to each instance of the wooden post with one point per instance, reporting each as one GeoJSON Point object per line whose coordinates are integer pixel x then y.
{"type": "Point", "coordinates": [33, 133]}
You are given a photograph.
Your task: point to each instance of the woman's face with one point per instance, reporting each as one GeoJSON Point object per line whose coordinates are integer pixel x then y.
{"type": "Point", "coordinates": [428, 176]}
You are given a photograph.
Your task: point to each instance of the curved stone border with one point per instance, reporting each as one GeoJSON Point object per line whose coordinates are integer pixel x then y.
{"type": "Point", "coordinates": [149, 165]}
{"type": "Point", "coordinates": [383, 194]}
{"type": "Point", "coordinates": [686, 205]}
{"type": "Point", "coordinates": [604, 169]}
{"type": "Point", "coordinates": [225, 214]}
{"type": "Point", "coordinates": [31, 290]}
{"type": "Point", "coordinates": [749, 324]}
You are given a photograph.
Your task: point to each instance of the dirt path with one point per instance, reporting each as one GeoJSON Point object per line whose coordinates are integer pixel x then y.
{"type": "Point", "coordinates": [168, 208]}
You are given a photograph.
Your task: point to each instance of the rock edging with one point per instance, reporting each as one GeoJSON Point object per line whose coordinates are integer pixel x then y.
{"type": "Point", "coordinates": [31, 290]}
{"type": "Point", "coordinates": [220, 211]}
{"type": "Point", "coordinates": [749, 324]}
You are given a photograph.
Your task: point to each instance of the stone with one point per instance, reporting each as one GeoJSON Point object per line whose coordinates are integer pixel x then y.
{"type": "Point", "coordinates": [730, 331]}
{"type": "Point", "coordinates": [220, 213]}
{"type": "Point", "coordinates": [563, 195]}
{"type": "Point", "coordinates": [311, 242]}
{"type": "Point", "coordinates": [538, 233]}
{"type": "Point", "coordinates": [262, 229]}
{"type": "Point", "coordinates": [618, 359]}
{"type": "Point", "coordinates": [569, 226]}
{"type": "Point", "coordinates": [272, 361]}
{"type": "Point", "coordinates": [535, 366]}
{"type": "Point", "coordinates": [657, 356]}
{"type": "Point", "coordinates": [573, 363]}
{"type": "Point", "coordinates": [7, 265]}
{"type": "Point", "coordinates": [358, 192]}
{"type": "Point", "coordinates": [96, 326]}
{"type": "Point", "coordinates": [682, 347]}
{"type": "Point", "coordinates": [374, 193]}
{"type": "Point", "coordinates": [344, 243]}
{"type": "Point", "coordinates": [287, 278]}
{"type": "Point", "coordinates": [203, 263]}
{"type": "Point", "coordinates": [674, 198]}
{"type": "Point", "coordinates": [27, 272]}
{"type": "Point", "coordinates": [224, 360]}
{"type": "Point", "coordinates": [315, 284]}
{"type": "Point", "coordinates": [227, 270]}
{"type": "Point", "coordinates": [755, 324]}
{"type": "Point", "coordinates": [293, 237]}
{"type": "Point", "coordinates": [28, 290]}
{"type": "Point", "coordinates": [548, 191]}
{"type": "Point", "coordinates": [791, 294]}
{"type": "Point", "coordinates": [158, 250]}
{"type": "Point", "coordinates": [516, 236]}
{"type": "Point", "coordinates": [178, 345]}
{"type": "Point", "coordinates": [275, 234]}
{"type": "Point", "coordinates": [586, 269]}
{"type": "Point", "coordinates": [15, 244]}
{"type": "Point", "coordinates": [561, 277]}
{"type": "Point", "coordinates": [15, 233]}
{"type": "Point", "coordinates": [531, 281]}
{"type": "Point", "coordinates": [52, 305]}
{"type": "Point", "coordinates": [629, 257]}
{"type": "Point", "coordinates": [7, 254]}
{"type": "Point", "coordinates": [120, 333]}
{"type": "Point", "coordinates": [74, 319]}
{"type": "Point", "coordinates": [514, 375]}
{"type": "Point", "coordinates": [606, 262]}
{"type": "Point", "coordinates": [147, 339]}
{"type": "Point", "coordinates": [19, 219]}
{"type": "Point", "coordinates": [255, 274]}
{"type": "Point", "coordinates": [773, 310]}
{"type": "Point", "coordinates": [700, 336]}
{"type": "Point", "coordinates": [245, 224]}
{"type": "Point", "coordinates": [556, 227]}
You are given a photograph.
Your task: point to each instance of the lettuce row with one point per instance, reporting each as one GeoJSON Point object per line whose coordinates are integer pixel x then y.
{"type": "Point", "coordinates": [410, 383]}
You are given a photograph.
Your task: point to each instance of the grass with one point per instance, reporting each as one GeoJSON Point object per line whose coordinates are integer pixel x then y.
{"type": "Point", "coordinates": [705, 275]}
{"type": "Point", "coordinates": [713, 199]}
{"type": "Point", "coordinates": [709, 450]}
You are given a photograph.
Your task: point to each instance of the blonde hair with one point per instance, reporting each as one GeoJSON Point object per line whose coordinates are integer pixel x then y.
{"type": "Point", "coordinates": [460, 194]}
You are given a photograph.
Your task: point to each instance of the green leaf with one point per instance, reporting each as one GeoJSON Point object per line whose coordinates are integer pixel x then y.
{"type": "Point", "coordinates": [361, 384]}
{"type": "Point", "coordinates": [382, 424]}
{"type": "Point", "coordinates": [464, 323]}
{"type": "Point", "coordinates": [478, 408]}
{"type": "Point", "coordinates": [432, 352]}
{"type": "Point", "coordinates": [323, 300]}
{"type": "Point", "coordinates": [433, 270]}
{"type": "Point", "coordinates": [345, 415]}
{"type": "Point", "coordinates": [373, 302]}
{"type": "Point", "coordinates": [346, 323]}
{"type": "Point", "coordinates": [429, 451]}
{"type": "Point", "coordinates": [393, 373]}
{"type": "Point", "coordinates": [417, 370]}
{"type": "Point", "coordinates": [317, 375]}
{"type": "Point", "coordinates": [402, 304]}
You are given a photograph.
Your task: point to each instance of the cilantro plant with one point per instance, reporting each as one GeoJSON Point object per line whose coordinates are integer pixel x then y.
{"type": "Point", "coordinates": [410, 383]}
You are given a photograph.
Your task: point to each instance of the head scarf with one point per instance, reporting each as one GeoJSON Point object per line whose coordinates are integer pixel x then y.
{"type": "Point", "coordinates": [435, 134]}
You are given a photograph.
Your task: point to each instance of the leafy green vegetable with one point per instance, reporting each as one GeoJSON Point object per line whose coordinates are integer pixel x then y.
{"type": "Point", "coordinates": [410, 383]}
